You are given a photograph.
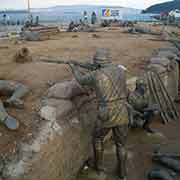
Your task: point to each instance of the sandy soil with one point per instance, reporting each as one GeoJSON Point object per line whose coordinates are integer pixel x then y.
{"type": "Point", "coordinates": [140, 147]}
{"type": "Point", "coordinates": [133, 51]}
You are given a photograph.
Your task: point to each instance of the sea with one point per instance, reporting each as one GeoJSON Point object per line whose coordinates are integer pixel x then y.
{"type": "Point", "coordinates": [44, 17]}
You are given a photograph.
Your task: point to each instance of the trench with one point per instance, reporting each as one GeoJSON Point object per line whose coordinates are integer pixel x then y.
{"type": "Point", "coordinates": [63, 142]}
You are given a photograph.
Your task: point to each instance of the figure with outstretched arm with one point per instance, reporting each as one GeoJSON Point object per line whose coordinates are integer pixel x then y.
{"type": "Point", "coordinates": [109, 84]}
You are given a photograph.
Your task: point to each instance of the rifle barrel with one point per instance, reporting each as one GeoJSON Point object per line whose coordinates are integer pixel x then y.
{"type": "Point", "coordinates": [53, 61]}
{"type": "Point", "coordinates": [88, 66]}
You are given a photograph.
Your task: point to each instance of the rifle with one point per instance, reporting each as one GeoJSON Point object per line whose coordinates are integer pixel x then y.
{"type": "Point", "coordinates": [169, 155]}
{"type": "Point", "coordinates": [88, 66]}
{"type": "Point", "coordinates": [151, 108]}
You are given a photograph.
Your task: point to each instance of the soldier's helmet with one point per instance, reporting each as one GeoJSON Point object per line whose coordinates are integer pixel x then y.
{"type": "Point", "coordinates": [102, 57]}
{"type": "Point", "coordinates": [141, 82]}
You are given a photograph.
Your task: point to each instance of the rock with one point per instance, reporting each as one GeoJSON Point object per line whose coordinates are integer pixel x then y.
{"type": "Point", "coordinates": [55, 108]}
{"type": "Point", "coordinates": [96, 36]}
{"type": "Point", "coordinates": [159, 64]}
{"type": "Point", "coordinates": [168, 54]}
{"type": "Point", "coordinates": [48, 113]}
{"type": "Point", "coordinates": [172, 49]}
{"type": "Point", "coordinates": [65, 90]}
{"type": "Point", "coordinates": [75, 36]}
{"type": "Point", "coordinates": [23, 55]}
{"type": "Point", "coordinates": [36, 148]}
{"type": "Point", "coordinates": [160, 60]}
{"type": "Point", "coordinates": [31, 36]}
{"type": "Point", "coordinates": [154, 138]}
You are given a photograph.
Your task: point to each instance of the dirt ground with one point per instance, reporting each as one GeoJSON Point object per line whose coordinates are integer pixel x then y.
{"type": "Point", "coordinates": [133, 51]}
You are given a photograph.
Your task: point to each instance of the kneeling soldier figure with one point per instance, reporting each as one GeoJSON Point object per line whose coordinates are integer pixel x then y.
{"type": "Point", "coordinates": [142, 111]}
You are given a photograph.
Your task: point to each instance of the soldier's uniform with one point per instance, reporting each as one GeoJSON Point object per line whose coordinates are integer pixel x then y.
{"type": "Point", "coordinates": [109, 84]}
{"type": "Point", "coordinates": [15, 91]}
{"type": "Point", "coordinates": [140, 101]}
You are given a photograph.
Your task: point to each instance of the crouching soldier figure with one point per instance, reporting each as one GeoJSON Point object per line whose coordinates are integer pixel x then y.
{"type": "Point", "coordinates": [15, 91]}
{"type": "Point", "coordinates": [109, 84]}
{"type": "Point", "coordinates": [141, 111]}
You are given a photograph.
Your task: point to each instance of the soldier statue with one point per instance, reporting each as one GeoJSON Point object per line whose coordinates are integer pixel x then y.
{"type": "Point", "coordinates": [109, 84]}
{"type": "Point", "coordinates": [15, 91]}
{"type": "Point", "coordinates": [93, 18]}
{"type": "Point", "coordinates": [142, 110]}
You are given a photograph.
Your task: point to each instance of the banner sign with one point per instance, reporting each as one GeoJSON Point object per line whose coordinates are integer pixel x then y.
{"type": "Point", "coordinates": [110, 13]}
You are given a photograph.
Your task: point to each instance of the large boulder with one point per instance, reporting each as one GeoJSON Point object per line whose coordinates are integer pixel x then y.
{"type": "Point", "coordinates": [60, 107]}
{"type": "Point", "coordinates": [65, 90]}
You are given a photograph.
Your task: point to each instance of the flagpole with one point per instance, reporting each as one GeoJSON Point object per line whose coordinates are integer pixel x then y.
{"type": "Point", "coordinates": [29, 11]}
{"type": "Point", "coordinates": [29, 6]}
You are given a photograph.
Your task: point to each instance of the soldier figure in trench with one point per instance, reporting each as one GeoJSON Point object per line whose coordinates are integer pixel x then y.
{"type": "Point", "coordinates": [15, 91]}
{"type": "Point", "coordinates": [141, 110]}
{"type": "Point", "coordinates": [109, 84]}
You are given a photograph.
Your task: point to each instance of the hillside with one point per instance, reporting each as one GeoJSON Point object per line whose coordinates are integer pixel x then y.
{"type": "Point", "coordinates": [163, 7]}
{"type": "Point", "coordinates": [80, 8]}
{"type": "Point", "coordinates": [75, 12]}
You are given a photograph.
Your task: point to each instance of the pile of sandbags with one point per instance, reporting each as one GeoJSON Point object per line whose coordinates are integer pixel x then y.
{"type": "Point", "coordinates": [166, 62]}
{"type": "Point", "coordinates": [80, 27]}
{"type": "Point", "coordinates": [39, 33]}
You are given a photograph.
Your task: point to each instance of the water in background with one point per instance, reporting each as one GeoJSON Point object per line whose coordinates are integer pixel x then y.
{"type": "Point", "coordinates": [14, 18]}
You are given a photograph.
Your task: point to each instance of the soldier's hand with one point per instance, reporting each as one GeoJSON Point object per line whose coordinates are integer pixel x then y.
{"type": "Point", "coordinates": [72, 66]}
{"type": "Point", "coordinates": [138, 113]}
{"type": "Point", "coordinates": [156, 112]}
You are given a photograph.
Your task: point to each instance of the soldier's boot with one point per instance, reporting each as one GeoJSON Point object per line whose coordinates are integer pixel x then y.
{"type": "Point", "coordinates": [124, 178]}
{"type": "Point", "coordinates": [121, 158]}
{"type": "Point", "coordinates": [99, 160]}
{"type": "Point", "coordinates": [148, 129]}
{"type": "Point", "coordinates": [146, 125]}
{"type": "Point", "coordinates": [15, 100]}
{"type": "Point", "coordinates": [16, 103]}
{"type": "Point", "coordinates": [99, 156]}
{"type": "Point", "coordinates": [10, 122]}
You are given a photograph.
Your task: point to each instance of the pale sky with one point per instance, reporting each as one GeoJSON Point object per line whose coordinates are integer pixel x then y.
{"type": "Point", "coordinates": [21, 4]}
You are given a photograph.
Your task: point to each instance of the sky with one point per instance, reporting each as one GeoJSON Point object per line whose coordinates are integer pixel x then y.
{"type": "Point", "coordinates": [22, 4]}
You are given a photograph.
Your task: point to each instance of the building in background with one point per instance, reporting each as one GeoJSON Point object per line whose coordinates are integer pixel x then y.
{"type": "Point", "coordinates": [174, 17]}
{"type": "Point", "coordinates": [13, 17]}
{"type": "Point", "coordinates": [111, 14]}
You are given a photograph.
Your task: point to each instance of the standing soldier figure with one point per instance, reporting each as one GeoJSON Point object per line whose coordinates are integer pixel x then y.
{"type": "Point", "coordinates": [16, 91]}
{"type": "Point", "coordinates": [85, 17]}
{"type": "Point", "coordinates": [109, 84]}
{"type": "Point", "coordinates": [93, 18]}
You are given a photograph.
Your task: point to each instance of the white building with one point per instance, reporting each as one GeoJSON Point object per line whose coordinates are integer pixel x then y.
{"type": "Point", "coordinates": [111, 14]}
{"type": "Point", "coordinates": [176, 15]}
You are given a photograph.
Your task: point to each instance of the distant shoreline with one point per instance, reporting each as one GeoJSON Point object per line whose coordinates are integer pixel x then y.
{"type": "Point", "coordinates": [66, 14]}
